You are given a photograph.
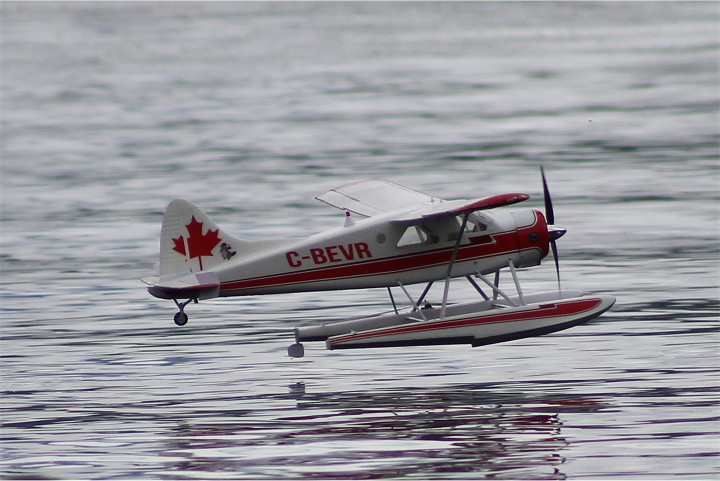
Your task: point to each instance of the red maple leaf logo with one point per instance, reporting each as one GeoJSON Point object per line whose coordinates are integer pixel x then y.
{"type": "Point", "coordinates": [199, 244]}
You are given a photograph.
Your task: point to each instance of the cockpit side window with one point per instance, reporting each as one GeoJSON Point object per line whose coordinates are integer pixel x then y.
{"type": "Point", "coordinates": [474, 224]}
{"type": "Point", "coordinates": [413, 235]}
{"type": "Point", "coordinates": [479, 227]}
{"type": "Point", "coordinates": [443, 229]}
{"type": "Point", "coordinates": [477, 223]}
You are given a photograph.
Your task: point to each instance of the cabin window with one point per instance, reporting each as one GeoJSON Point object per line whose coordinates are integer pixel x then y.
{"type": "Point", "coordinates": [476, 224]}
{"type": "Point", "coordinates": [442, 229]}
{"type": "Point", "coordinates": [468, 225]}
{"type": "Point", "coordinates": [472, 225]}
{"type": "Point", "coordinates": [413, 235]}
{"type": "Point", "coordinates": [479, 227]}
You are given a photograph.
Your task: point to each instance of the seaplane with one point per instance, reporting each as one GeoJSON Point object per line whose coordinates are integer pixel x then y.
{"type": "Point", "coordinates": [391, 237]}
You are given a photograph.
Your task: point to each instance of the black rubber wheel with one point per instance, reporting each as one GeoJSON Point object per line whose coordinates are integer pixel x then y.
{"type": "Point", "coordinates": [181, 318]}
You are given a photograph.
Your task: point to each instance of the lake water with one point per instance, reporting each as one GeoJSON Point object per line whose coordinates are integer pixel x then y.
{"type": "Point", "coordinates": [110, 110]}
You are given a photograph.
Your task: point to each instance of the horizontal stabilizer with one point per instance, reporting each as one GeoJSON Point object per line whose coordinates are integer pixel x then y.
{"type": "Point", "coordinates": [203, 285]}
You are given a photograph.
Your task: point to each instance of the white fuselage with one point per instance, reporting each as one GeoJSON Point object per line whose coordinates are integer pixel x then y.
{"type": "Point", "coordinates": [378, 252]}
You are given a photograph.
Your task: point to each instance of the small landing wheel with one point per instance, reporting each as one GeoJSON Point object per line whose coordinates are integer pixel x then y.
{"type": "Point", "coordinates": [296, 350]}
{"type": "Point", "coordinates": [181, 318]}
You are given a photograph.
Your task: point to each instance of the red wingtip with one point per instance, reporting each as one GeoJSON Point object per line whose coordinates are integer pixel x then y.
{"type": "Point", "coordinates": [494, 201]}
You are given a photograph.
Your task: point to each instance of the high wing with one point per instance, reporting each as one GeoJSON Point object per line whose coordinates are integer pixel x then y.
{"type": "Point", "coordinates": [372, 197]}
{"type": "Point", "coordinates": [457, 207]}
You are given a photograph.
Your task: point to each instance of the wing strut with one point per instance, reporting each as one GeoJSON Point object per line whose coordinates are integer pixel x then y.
{"type": "Point", "coordinates": [466, 215]}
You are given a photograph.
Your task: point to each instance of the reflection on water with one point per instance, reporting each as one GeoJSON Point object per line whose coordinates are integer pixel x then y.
{"type": "Point", "coordinates": [466, 431]}
{"type": "Point", "coordinates": [469, 429]}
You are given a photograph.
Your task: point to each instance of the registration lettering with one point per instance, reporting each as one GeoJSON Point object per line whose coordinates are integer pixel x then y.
{"type": "Point", "coordinates": [328, 255]}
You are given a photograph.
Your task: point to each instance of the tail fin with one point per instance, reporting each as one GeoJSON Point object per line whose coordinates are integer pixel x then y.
{"type": "Point", "coordinates": [191, 242]}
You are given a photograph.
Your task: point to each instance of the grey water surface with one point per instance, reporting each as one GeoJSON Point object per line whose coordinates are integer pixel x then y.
{"type": "Point", "coordinates": [110, 110]}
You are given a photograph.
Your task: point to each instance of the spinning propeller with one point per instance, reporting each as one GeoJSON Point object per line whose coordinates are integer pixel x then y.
{"type": "Point", "coordinates": [555, 231]}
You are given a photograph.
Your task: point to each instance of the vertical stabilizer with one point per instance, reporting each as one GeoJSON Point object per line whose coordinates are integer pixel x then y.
{"type": "Point", "coordinates": [191, 242]}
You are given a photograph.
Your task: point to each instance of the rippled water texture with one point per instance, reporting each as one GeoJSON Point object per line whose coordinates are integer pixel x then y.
{"type": "Point", "coordinates": [110, 110]}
